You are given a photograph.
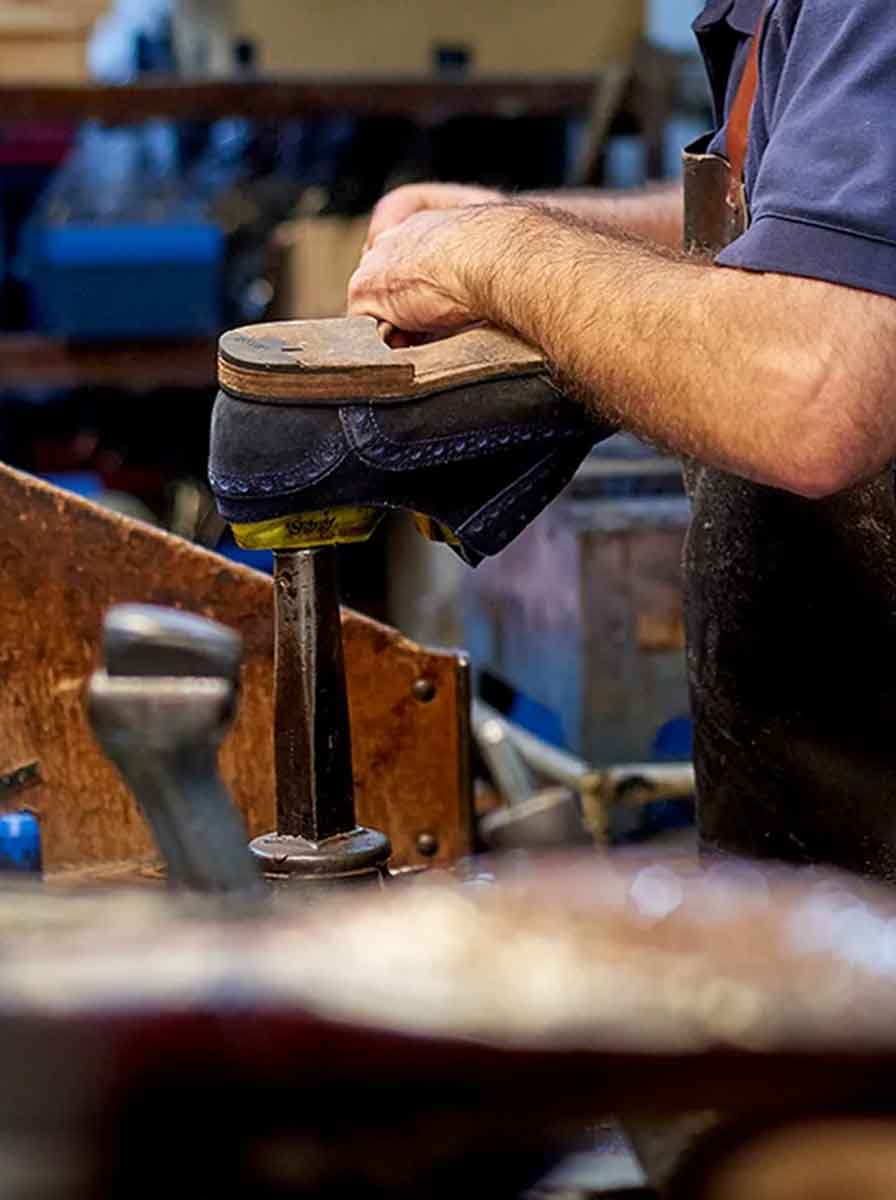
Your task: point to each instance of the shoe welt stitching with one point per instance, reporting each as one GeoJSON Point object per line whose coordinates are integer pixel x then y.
{"type": "Point", "coordinates": [425, 452]}
{"type": "Point", "coordinates": [523, 432]}
{"type": "Point", "coordinates": [287, 480]}
{"type": "Point", "coordinates": [512, 495]}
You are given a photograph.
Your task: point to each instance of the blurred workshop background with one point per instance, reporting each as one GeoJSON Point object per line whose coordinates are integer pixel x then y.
{"type": "Point", "coordinates": [171, 168]}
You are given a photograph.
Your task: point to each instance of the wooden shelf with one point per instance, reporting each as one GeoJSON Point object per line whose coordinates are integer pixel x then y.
{"type": "Point", "coordinates": [30, 361]}
{"type": "Point", "coordinates": [421, 97]}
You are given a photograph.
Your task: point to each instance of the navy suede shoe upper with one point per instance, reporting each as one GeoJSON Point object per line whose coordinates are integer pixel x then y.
{"type": "Point", "coordinates": [481, 458]}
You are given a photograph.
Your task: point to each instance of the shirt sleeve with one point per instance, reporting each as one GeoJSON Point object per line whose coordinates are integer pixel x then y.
{"type": "Point", "coordinates": [821, 168]}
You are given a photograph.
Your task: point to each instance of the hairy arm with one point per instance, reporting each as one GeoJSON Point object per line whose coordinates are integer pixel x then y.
{"type": "Point", "coordinates": [783, 380]}
{"type": "Point", "coordinates": [655, 212]}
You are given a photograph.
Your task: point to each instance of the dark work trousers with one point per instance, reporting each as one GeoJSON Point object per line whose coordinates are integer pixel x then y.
{"type": "Point", "coordinates": [791, 633]}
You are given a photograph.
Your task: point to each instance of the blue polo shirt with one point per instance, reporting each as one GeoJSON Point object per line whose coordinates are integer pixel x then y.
{"type": "Point", "coordinates": [821, 160]}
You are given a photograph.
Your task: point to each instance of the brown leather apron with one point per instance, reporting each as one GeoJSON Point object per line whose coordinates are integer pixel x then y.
{"type": "Point", "coordinates": [791, 626]}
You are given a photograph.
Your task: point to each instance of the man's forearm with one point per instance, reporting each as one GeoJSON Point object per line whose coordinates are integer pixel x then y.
{"type": "Point", "coordinates": [655, 212]}
{"type": "Point", "coordinates": [741, 370]}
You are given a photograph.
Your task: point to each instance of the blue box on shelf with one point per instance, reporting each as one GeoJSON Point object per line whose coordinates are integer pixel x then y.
{"type": "Point", "coordinates": [20, 848]}
{"type": "Point", "coordinates": [97, 281]}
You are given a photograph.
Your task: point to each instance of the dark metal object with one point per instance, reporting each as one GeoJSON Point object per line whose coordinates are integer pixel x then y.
{"type": "Point", "coordinates": [162, 725]}
{"type": "Point", "coordinates": [355, 853]}
{"type": "Point", "coordinates": [317, 833]}
{"type": "Point", "coordinates": [17, 780]}
{"type": "Point", "coordinates": [424, 690]}
{"type": "Point", "coordinates": [427, 845]}
{"type": "Point", "coordinates": [142, 639]}
{"type": "Point", "coordinates": [312, 748]}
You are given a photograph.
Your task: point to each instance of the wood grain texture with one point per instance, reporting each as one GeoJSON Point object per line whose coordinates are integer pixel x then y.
{"type": "Point", "coordinates": [63, 561]}
{"type": "Point", "coordinates": [31, 360]}
{"type": "Point", "coordinates": [475, 354]}
{"type": "Point", "coordinates": [422, 97]}
{"type": "Point", "coordinates": [344, 358]}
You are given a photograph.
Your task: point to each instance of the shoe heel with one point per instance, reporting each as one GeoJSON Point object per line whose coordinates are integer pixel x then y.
{"type": "Point", "coordinates": [434, 531]}
{"type": "Point", "coordinates": [307, 531]}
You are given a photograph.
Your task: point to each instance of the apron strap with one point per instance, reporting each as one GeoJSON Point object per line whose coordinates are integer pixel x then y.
{"type": "Point", "coordinates": [739, 118]}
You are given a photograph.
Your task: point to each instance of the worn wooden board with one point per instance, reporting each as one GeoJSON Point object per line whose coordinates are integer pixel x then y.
{"type": "Point", "coordinates": [344, 358]}
{"type": "Point", "coordinates": [63, 561]}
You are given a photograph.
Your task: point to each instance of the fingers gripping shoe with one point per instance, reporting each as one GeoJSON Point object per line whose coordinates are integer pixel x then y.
{"type": "Point", "coordinates": [320, 427]}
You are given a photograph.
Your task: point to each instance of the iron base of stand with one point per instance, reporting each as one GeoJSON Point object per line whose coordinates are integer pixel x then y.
{"type": "Point", "coordinates": [360, 854]}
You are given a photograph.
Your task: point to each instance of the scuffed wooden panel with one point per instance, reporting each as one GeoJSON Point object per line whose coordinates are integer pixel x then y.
{"type": "Point", "coordinates": [63, 561]}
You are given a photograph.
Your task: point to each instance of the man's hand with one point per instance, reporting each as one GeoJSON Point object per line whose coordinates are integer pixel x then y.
{"type": "Point", "coordinates": [403, 202]}
{"type": "Point", "coordinates": [419, 275]}
{"type": "Point", "coordinates": [654, 212]}
{"type": "Point", "coordinates": [783, 380]}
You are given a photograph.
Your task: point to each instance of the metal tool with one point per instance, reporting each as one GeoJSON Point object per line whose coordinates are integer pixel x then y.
{"type": "Point", "coordinates": [611, 797]}
{"type": "Point", "coordinates": [160, 710]}
{"type": "Point", "coordinates": [547, 820]}
{"type": "Point", "coordinates": [317, 834]}
{"type": "Point", "coordinates": [531, 819]}
{"type": "Point", "coordinates": [506, 765]}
